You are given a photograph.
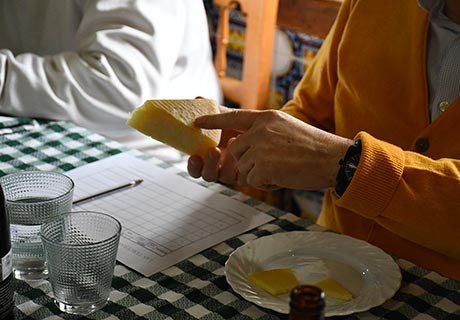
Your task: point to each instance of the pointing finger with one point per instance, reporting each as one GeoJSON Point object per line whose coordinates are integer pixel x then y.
{"type": "Point", "coordinates": [236, 120]}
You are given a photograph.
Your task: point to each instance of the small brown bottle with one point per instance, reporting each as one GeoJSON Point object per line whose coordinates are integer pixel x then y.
{"type": "Point", "coordinates": [307, 303]}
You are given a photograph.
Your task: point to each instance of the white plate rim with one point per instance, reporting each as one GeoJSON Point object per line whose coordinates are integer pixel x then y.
{"type": "Point", "coordinates": [380, 265]}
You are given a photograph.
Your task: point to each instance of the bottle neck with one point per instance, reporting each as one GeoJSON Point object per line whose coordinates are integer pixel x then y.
{"type": "Point", "coordinates": [307, 303]}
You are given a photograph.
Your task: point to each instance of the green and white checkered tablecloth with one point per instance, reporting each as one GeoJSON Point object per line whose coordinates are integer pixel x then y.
{"type": "Point", "coordinates": [195, 288]}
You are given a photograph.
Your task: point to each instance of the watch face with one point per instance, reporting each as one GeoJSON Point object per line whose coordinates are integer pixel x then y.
{"type": "Point", "coordinates": [351, 166]}
{"type": "Point", "coordinates": [348, 166]}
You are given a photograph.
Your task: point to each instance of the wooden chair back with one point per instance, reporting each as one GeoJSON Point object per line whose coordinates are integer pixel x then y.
{"type": "Point", "coordinates": [252, 90]}
{"type": "Point", "coordinates": [313, 17]}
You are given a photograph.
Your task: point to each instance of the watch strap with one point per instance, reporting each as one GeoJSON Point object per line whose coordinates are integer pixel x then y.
{"type": "Point", "coordinates": [348, 166]}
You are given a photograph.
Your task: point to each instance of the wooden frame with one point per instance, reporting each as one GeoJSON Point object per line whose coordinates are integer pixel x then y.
{"type": "Point", "coordinates": [252, 91]}
{"type": "Point", "coordinates": [313, 17]}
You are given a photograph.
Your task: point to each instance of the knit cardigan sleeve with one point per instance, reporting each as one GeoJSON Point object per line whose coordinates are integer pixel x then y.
{"type": "Point", "coordinates": [412, 195]}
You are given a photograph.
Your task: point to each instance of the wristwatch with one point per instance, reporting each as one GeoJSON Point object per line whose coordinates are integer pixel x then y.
{"type": "Point", "coordinates": [348, 167]}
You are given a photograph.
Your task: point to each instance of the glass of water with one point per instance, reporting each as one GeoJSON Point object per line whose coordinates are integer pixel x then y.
{"type": "Point", "coordinates": [33, 197]}
{"type": "Point", "coordinates": [81, 249]}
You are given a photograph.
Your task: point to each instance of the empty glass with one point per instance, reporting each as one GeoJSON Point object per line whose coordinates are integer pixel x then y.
{"type": "Point", "coordinates": [81, 250]}
{"type": "Point", "coordinates": [33, 197]}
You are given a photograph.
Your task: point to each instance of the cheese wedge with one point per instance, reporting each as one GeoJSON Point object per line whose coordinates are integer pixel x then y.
{"type": "Point", "coordinates": [171, 122]}
{"type": "Point", "coordinates": [333, 289]}
{"type": "Point", "coordinates": [275, 281]}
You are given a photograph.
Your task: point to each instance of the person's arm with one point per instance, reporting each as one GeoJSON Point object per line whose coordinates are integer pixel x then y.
{"type": "Point", "coordinates": [125, 53]}
{"type": "Point", "coordinates": [407, 193]}
{"type": "Point", "coordinates": [275, 150]}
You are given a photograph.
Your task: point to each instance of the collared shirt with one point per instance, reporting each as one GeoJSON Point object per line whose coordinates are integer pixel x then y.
{"type": "Point", "coordinates": [93, 62]}
{"type": "Point", "coordinates": [443, 58]}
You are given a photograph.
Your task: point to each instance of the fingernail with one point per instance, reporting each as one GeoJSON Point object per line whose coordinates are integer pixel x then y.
{"type": "Point", "coordinates": [194, 161]}
{"type": "Point", "coordinates": [213, 154]}
{"type": "Point", "coordinates": [198, 121]}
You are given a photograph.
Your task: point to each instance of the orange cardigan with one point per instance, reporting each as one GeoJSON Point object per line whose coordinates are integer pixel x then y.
{"type": "Point", "coordinates": [369, 81]}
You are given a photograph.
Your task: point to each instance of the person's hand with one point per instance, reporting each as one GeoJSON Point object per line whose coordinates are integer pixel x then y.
{"type": "Point", "coordinates": [218, 164]}
{"type": "Point", "coordinates": [272, 150]}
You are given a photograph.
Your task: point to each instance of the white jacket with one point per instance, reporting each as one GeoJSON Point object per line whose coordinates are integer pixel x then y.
{"type": "Point", "coordinates": [93, 61]}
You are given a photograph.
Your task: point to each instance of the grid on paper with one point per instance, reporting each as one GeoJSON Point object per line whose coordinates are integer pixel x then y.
{"type": "Point", "coordinates": [162, 226]}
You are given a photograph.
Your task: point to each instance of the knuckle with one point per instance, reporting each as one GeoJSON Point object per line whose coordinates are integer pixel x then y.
{"type": "Point", "coordinates": [234, 116]}
{"type": "Point", "coordinates": [208, 177]}
{"type": "Point", "coordinates": [227, 177]}
{"type": "Point", "coordinates": [271, 114]}
{"type": "Point", "coordinates": [242, 179]}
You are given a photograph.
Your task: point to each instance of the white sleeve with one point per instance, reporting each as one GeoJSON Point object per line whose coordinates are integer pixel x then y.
{"type": "Point", "coordinates": [126, 52]}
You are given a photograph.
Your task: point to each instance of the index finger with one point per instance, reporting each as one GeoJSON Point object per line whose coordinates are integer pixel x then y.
{"type": "Point", "coordinates": [235, 120]}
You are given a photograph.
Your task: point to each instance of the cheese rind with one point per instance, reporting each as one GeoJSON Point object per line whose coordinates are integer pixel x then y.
{"type": "Point", "coordinates": [171, 122]}
{"type": "Point", "coordinates": [333, 289]}
{"type": "Point", "coordinates": [275, 281]}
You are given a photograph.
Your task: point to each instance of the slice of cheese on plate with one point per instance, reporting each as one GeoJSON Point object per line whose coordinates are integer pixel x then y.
{"type": "Point", "coordinates": [333, 289]}
{"type": "Point", "coordinates": [275, 281]}
{"type": "Point", "coordinates": [280, 281]}
{"type": "Point", "coordinates": [171, 122]}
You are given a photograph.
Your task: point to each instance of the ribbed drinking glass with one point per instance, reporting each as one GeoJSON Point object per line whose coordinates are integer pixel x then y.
{"type": "Point", "coordinates": [81, 250]}
{"type": "Point", "coordinates": [33, 197]}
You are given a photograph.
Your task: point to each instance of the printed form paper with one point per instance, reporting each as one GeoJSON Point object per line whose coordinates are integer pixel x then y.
{"type": "Point", "coordinates": [166, 218]}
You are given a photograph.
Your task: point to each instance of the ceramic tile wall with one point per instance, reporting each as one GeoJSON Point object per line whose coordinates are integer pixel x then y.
{"type": "Point", "coordinates": [292, 55]}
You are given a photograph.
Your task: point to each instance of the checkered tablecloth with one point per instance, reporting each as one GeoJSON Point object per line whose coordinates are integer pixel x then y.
{"type": "Point", "coordinates": [195, 288]}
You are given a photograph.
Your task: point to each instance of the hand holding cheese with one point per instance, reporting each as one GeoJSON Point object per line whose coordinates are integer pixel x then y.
{"type": "Point", "coordinates": [171, 122]}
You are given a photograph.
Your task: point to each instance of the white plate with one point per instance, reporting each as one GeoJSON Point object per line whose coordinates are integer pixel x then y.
{"type": "Point", "coordinates": [369, 273]}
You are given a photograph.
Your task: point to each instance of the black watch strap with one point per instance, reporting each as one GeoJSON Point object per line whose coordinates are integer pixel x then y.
{"type": "Point", "coordinates": [348, 167]}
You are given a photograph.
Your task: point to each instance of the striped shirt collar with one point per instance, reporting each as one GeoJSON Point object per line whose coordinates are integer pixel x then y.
{"type": "Point", "coordinates": [427, 5]}
{"type": "Point", "coordinates": [435, 8]}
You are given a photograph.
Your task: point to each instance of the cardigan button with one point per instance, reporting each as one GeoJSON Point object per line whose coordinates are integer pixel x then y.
{"type": "Point", "coordinates": [443, 105]}
{"type": "Point", "coordinates": [422, 145]}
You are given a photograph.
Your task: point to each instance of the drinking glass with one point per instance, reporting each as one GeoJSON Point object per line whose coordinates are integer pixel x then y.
{"type": "Point", "coordinates": [33, 197]}
{"type": "Point", "coordinates": [81, 249]}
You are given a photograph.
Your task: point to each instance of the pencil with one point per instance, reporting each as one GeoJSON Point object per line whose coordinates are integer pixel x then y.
{"type": "Point", "coordinates": [106, 192]}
